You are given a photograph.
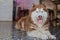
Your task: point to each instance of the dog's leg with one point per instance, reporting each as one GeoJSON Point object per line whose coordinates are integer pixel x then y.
{"type": "Point", "coordinates": [22, 25]}
{"type": "Point", "coordinates": [38, 39]}
{"type": "Point", "coordinates": [35, 39]}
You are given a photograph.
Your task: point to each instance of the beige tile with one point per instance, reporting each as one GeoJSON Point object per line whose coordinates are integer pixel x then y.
{"type": "Point", "coordinates": [5, 30]}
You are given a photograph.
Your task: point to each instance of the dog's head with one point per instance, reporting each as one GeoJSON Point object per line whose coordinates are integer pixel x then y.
{"type": "Point", "coordinates": [39, 14]}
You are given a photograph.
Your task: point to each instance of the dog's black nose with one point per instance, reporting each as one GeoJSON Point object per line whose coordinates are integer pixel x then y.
{"type": "Point", "coordinates": [39, 16]}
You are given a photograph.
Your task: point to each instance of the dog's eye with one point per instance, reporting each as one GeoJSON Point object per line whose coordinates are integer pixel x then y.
{"type": "Point", "coordinates": [41, 11]}
{"type": "Point", "coordinates": [36, 11]}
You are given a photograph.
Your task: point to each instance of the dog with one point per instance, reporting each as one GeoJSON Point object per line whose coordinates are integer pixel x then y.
{"type": "Point", "coordinates": [36, 24]}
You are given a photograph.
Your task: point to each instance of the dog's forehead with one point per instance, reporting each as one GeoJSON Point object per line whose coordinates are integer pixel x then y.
{"type": "Point", "coordinates": [39, 8]}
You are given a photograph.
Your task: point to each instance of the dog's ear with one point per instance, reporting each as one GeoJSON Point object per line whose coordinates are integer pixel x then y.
{"type": "Point", "coordinates": [44, 7]}
{"type": "Point", "coordinates": [33, 5]}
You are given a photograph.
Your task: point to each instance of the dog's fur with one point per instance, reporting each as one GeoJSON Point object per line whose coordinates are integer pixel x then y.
{"type": "Point", "coordinates": [27, 23]}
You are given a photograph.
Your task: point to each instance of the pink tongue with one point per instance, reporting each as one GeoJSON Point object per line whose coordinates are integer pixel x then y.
{"type": "Point", "coordinates": [40, 21]}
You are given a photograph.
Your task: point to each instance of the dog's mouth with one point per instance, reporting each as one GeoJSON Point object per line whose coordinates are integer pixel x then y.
{"type": "Point", "coordinates": [39, 19]}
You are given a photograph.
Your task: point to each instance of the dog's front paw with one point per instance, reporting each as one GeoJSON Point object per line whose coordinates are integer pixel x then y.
{"type": "Point", "coordinates": [52, 37]}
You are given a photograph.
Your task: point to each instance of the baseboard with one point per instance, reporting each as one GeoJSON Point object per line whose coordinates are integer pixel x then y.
{"type": "Point", "coordinates": [7, 20]}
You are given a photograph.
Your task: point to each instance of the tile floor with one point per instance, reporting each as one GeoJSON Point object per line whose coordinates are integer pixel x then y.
{"type": "Point", "coordinates": [8, 32]}
{"type": "Point", "coordinates": [5, 30]}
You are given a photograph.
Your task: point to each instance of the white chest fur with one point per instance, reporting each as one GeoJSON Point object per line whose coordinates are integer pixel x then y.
{"type": "Point", "coordinates": [41, 33]}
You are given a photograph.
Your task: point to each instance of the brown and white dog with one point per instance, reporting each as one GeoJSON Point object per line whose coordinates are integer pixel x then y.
{"type": "Point", "coordinates": [36, 24]}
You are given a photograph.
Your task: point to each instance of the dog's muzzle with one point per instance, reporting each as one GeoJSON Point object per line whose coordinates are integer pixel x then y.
{"type": "Point", "coordinates": [39, 19]}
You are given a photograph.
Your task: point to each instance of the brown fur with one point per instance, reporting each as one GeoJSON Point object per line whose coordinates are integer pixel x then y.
{"type": "Point", "coordinates": [27, 19]}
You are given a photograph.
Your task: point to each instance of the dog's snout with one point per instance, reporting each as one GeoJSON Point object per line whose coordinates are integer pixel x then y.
{"type": "Point", "coordinates": [39, 16]}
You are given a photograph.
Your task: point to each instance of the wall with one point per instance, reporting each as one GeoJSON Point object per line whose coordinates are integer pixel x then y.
{"type": "Point", "coordinates": [6, 8]}
{"type": "Point", "coordinates": [26, 4]}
